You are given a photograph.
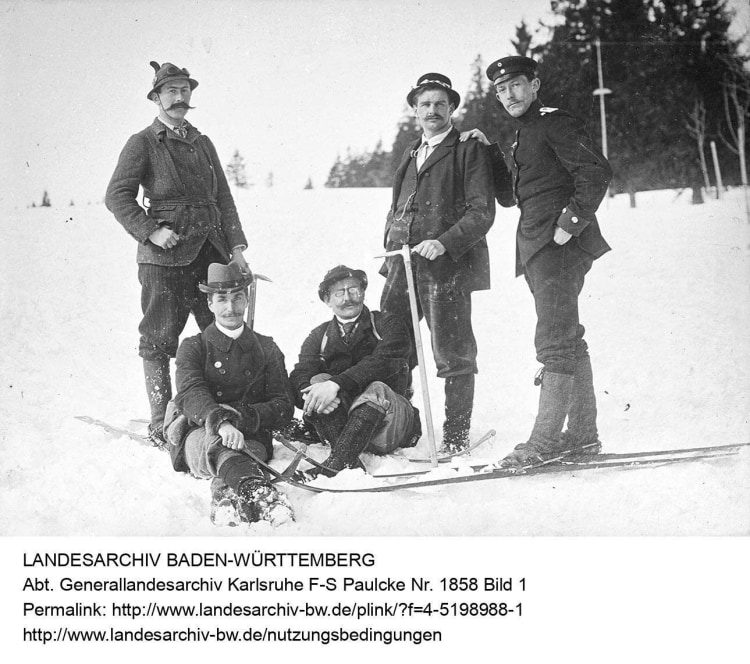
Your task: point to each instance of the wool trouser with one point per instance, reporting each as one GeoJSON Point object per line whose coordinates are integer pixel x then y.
{"type": "Point", "coordinates": [555, 276]}
{"type": "Point", "coordinates": [445, 306]}
{"type": "Point", "coordinates": [168, 296]}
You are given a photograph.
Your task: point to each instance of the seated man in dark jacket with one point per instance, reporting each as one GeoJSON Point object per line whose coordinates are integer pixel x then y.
{"type": "Point", "coordinates": [232, 390]}
{"type": "Point", "coordinates": [352, 374]}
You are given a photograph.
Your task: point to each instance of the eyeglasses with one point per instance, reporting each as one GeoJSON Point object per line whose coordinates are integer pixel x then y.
{"type": "Point", "coordinates": [354, 291]}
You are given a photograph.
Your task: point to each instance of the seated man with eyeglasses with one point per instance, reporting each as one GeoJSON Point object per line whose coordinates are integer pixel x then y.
{"type": "Point", "coordinates": [352, 376]}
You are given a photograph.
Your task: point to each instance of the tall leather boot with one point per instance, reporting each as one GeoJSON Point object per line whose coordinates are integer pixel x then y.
{"type": "Point", "coordinates": [554, 401]}
{"type": "Point", "coordinates": [159, 392]}
{"type": "Point", "coordinates": [582, 429]}
{"type": "Point", "coordinates": [329, 427]}
{"type": "Point", "coordinates": [459, 404]}
{"type": "Point", "coordinates": [362, 423]}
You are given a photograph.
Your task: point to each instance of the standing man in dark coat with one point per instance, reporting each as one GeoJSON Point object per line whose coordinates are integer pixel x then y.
{"type": "Point", "coordinates": [232, 391]}
{"type": "Point", "coordinates": [442, 208]}
{"type": "Point", "coordinates": [561, 178]}
{"type": "Point", "coordinates": [352, 375]}
{"type": "Point", "coordinates": [189, 222]}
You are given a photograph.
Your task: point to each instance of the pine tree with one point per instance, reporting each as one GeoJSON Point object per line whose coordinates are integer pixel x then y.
{"type": "Point", "coordinates": [235, 171]}
{"type": "Point", "coordinates": [45, 200]}
{"type": "Point", "coordinates": [308, 184]}
{"type": "Point", "coordinates": [658, 59]}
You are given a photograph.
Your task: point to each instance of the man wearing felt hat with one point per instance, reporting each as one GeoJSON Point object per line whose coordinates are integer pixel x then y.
{"type": "Point", "coordinates": [352, 375]}
{"type": "Point", "coordinates": [187, 221]}
{"type": "Point", "coordinates": [232, 391]}
{"type": "Point", "coordinates": [442, 208]}
{"type": "Point", "coordinates": [560, 180]}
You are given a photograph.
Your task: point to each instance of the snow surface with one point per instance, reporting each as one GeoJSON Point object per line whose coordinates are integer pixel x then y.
{"type": "Point", "coordinates": [667, 321]}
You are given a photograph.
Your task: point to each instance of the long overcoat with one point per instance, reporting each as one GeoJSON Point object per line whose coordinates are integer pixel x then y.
{"type": "Point", "coordinates": [454, 204]}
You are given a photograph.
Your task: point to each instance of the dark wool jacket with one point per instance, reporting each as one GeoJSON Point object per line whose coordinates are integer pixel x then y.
{"type": "Point", "coordinates": [455, 205]}
{"type": "Point", "coordinates": [374, 353]}
{"type": "Point", "coordinates": [247, 375]}
{"type": "Point", "coordinates": [187, 191]}
{"type": "Point", "coordinates": [560, 179]}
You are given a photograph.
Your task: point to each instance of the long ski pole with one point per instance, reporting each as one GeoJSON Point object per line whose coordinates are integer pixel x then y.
{"type": "Point", "coordinates": [405, 253]}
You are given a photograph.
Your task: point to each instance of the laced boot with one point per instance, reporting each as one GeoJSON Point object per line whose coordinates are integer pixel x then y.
{"type": "Point", "coordinates": [159, 391]}
{"type": "Point", "coordinates": [459, 403]}
{"type": "Point", "coordinates": [581, 435]}
{"type": "Point", "coordinates": [544, 441]}
{"type": "Point", "coordinates": [362, 423]}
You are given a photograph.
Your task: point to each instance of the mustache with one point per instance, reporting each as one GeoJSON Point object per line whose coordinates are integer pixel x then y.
{"type": "Point", "coordinates": [181, 104]}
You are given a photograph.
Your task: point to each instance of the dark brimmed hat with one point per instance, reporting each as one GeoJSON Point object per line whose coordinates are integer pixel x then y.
{"type": "Point", "coordinates": [225, 279]}
{"type": "Point", "coordinates": [166, 73]}
{"type": "Point", "coordinates": [513, 65]}
{"type": "Point", "coordinates": [434, 82]}
{"type": "Point", "coordinates": [339, 273]}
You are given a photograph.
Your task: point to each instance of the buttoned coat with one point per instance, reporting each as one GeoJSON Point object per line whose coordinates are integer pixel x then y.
{"type": "Point", "coordinates": [378, 352]}
{"type": "Point", "coordinates": [454, 204]}
{"type": "Point", "coordinates": [247, 374]}
{"type": "Point", "coordinates": [560, 179]}
{"type": "Point", "coordinates": [187, 191]}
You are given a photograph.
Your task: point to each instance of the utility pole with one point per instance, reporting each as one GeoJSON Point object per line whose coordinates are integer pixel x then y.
{"type": "Point", "coordinates": [600, 92]}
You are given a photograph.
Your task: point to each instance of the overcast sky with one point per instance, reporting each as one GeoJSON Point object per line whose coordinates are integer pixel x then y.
{"type": "Point", "coordinates": [290, 83]}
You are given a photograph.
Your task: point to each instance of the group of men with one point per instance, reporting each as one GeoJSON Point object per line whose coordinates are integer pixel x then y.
{"type": "Point", "coordinates": [352, 381]}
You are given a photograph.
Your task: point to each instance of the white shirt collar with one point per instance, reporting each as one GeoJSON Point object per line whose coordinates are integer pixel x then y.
{"type": "Point", "coordinates": [234, 334]}
{"type": "Point", "coordinates": [437, 140]}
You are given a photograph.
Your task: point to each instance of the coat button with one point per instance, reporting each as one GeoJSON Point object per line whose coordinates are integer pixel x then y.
{"type": "Point", "coordinates": [427, 202]}
{"type": "Point", "coordinates": [217, 364]}
{"type": "Point", "coordinates": [248, 372]}
{"type": "Point", "coordinates": [220, 394]}
{"type": "Point", "coordinates": [222, 371]}
{"type": "Point", "coordinates": [565, 209]}
{"type": "Point", "coordinates": [574, 220]}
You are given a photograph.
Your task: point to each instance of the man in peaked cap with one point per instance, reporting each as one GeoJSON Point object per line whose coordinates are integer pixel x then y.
{"type": "Point", "coordinates": [442, 208]}
{"type": "Point", "coordinates": [188, 220]}
{"type": "Point", "coordinates": [232, 391]}
{"type": "Point", "coordinates": [352, 375]}
{"type": "Point", "coordinates": [561, 178]}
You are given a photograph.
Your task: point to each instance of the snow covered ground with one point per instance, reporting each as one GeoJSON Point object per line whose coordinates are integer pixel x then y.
{"type": "Point", "coordinates": [667, 321]}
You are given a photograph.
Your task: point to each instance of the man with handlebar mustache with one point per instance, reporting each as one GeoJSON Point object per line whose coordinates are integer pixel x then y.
{"type": "Point", "coordinates": [187, 221]}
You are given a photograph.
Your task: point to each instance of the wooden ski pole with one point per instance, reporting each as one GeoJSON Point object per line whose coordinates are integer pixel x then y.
{"type": "Point", "coordinates": [405, 253]}
{"type": "Point", "coordinates": [251, 298]}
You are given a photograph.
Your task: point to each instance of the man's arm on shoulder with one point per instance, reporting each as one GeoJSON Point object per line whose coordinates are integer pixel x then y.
{"type": "Point", "coordinates": [501, 174]}
{"type": "Point", "coordinates": [122, 192]}
{"type": "Point", "coordinates": [587, 166]}
{"type": "Point", "coordinates": [479, 201]}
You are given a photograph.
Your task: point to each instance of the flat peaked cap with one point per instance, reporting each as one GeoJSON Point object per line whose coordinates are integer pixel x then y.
{"type": "Point", "coordinates": [339, 273]}
{"type": "Point", "coordinates": [225, 279]}
{"type": "Point", "coordinates": [436, 82]}
{"type": "Point", "coordinates": [166, 73]}
{"type": "Point", "coordinates": [513, 65]}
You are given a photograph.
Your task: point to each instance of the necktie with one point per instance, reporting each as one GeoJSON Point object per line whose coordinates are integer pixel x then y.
{"type": "Point", "coordinates": [422, 154]}
{"type": "Point", "coordinates": [348, 331]}
{"type": "Point", "coordinates": [181, 131]}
